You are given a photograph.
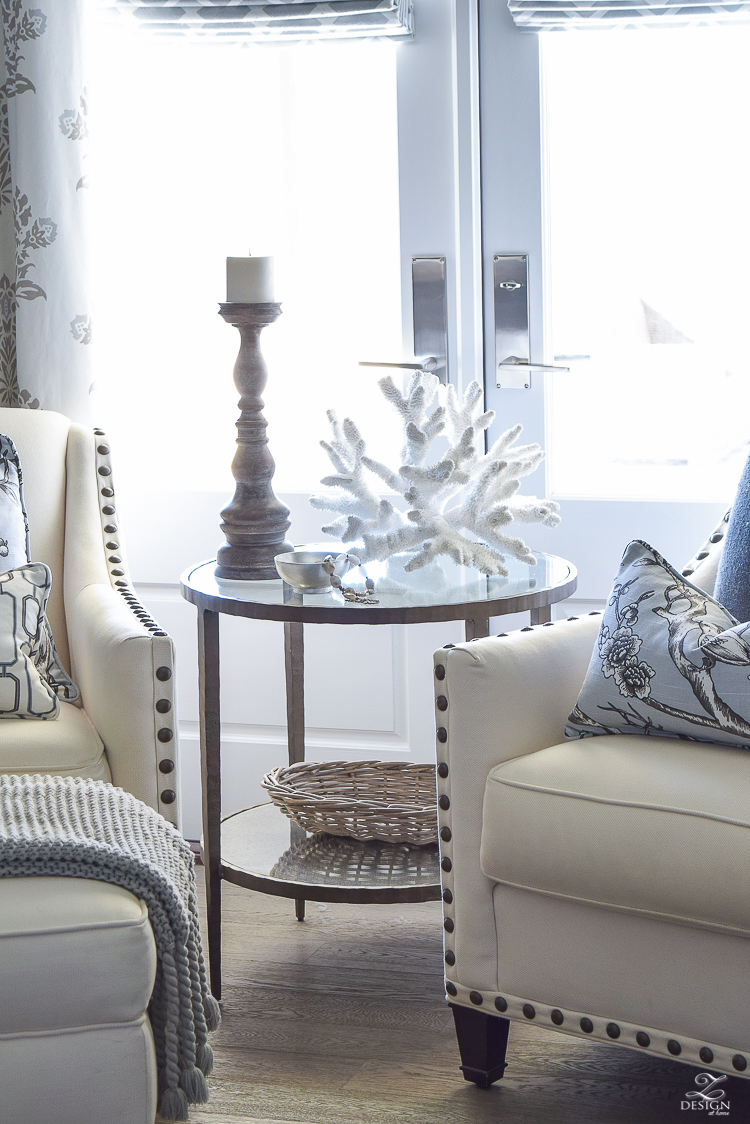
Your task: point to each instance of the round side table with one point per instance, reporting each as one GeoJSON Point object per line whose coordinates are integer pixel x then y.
{"type": "Point", "coordinates": [259, 847]}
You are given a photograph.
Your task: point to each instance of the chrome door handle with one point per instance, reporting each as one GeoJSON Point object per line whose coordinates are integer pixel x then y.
{"type": "Point", "coordinates": [512, 363]}
{"type": "Point", "coordinates": [426, 363]}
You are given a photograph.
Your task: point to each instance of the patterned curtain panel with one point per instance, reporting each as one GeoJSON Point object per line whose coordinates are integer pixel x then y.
{"type": "Point", "coordinates": [45, 327]}
{"type": "Point", "coordinates": [578, 15]}
{"type": "Point", "coordinates": [263, 21]}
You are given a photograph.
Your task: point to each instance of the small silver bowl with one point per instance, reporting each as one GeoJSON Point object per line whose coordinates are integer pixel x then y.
{"type": "Point", "coordinates": [303, 570]}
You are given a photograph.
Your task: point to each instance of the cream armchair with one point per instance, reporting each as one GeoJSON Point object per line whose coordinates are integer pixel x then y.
{"type": "Point", "coordinates": [77, 958]}
{"type": "Point", "coordinates": [597, 887]}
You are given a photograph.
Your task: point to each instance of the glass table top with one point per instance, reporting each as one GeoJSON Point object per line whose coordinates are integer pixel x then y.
{"type": "Point", "coordinates": [443, 590]}
{"type": "Point", "coordinates": [263, 843]}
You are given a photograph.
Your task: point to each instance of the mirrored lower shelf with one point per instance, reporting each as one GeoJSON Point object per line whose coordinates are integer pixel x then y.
{"type": "Point", "coordinates": [263, 850]}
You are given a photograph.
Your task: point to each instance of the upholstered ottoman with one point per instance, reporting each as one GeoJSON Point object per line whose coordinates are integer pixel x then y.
{"type": "Point", "coordinates": [78, 961]}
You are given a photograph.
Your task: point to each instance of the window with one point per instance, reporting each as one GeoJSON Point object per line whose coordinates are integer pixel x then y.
{"type": "Point", "coordinates": [206, 151]}
{"type": "Point", "coordinates": [650, 235]}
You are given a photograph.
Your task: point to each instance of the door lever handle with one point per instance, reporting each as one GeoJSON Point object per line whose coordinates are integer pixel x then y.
{"type": "Point", "coordinates": [512, 363]}
{"type": "Point", "coordinates": [426, 363]}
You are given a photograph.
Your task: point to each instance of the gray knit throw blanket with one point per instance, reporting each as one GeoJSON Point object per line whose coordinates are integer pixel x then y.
{"type": "Point", "coordinates": [88, 829]}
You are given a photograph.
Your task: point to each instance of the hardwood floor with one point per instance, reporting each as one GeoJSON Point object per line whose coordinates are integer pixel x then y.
{"type": "Point", "coordinates": [342, 1020]}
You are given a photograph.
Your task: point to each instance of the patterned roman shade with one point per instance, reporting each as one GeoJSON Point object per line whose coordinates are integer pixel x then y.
{"type": "Point", "coordinates": [587, 15]}
{"type": "Point", "coordinates": [264, 21]}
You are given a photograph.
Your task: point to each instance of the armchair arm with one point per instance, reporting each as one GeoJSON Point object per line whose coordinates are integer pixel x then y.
{"type": "Point", "coordinates": [501, 697]}
{"type": "Point", "coordinates": [122, 661]}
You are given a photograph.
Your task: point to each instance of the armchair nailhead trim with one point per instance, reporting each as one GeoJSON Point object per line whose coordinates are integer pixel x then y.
{"type": "Point", "coordinates": [443, 802]}
{"type": "Point", "coordinates": [572, 618]}
{"type": "Point", "coordinates": [548, 624]}
{"type": "Point", "coordinates": [688, 1050]}
{"type": "Point", "coordinates": [717, 536]}
{"type": "Point", "coordinates": [528, 628]}
{"type": "Point", "coordinates": [163, 734]}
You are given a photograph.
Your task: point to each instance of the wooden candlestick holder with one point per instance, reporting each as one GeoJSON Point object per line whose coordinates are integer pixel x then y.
{"type": "Point", "coordinates": [255, 522]}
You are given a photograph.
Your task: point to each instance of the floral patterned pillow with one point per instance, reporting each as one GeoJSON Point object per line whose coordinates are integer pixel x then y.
{"type": "Point", "coordinates": [669, 660]}
{"type": "Point", "coordinates": [14, 526]}
{"type": "Point", "coordinates": [15, 555]}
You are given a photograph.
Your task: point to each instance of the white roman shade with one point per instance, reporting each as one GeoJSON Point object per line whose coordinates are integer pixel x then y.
{"type": "Point", "coordinates": [587, 15]}
{"type": "Point", "coordinates": [263, 21]}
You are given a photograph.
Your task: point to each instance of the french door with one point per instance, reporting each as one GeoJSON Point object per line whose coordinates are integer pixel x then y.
{"type": "Point", "coordinates": [691, 384]}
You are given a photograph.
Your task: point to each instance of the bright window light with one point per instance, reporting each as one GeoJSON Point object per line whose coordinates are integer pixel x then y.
{"type": "Point", "coordinates": [199, 153]}
{"type": "Point", "coordinates": [650, 229]}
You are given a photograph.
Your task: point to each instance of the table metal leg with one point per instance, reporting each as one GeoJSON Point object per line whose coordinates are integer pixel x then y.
{"type": "Point", "coordinates": [210, 734]}
{"type": "Point", "coordinates": [294, 664]}
{"type": "Point", "coordinates": [476, 628]}
{"type": "Point", "coordinates": [541, 615]}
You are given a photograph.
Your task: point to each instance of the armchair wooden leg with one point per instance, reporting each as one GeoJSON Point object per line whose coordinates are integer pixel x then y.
{"type": "Point", "coordinates": [482, 1041]}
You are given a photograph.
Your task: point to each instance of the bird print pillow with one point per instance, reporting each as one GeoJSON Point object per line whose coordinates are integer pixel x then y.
{"type": "Point", "coordinates": [669, 660]}
{"type": "Point", "coordinates": [14, 526]}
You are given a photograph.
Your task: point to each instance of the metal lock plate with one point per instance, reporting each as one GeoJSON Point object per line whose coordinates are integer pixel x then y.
{"type": "Point", "coordinates": [511, 289]}
{"type": "Point", "coordinates": [430, 307]}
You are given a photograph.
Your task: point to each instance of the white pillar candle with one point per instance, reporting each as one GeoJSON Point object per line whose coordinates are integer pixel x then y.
{"type": "Point", "coordinates": [250, 281]}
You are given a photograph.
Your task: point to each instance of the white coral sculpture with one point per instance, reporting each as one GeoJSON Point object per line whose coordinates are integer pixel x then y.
{"type": "Point", "coordinates": [459, 505]}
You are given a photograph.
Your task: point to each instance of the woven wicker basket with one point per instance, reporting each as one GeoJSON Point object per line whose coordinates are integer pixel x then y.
{"type": "Point", "coordinates": [336, 861]}
{"type": "Point", "coordinates": [385, 800]}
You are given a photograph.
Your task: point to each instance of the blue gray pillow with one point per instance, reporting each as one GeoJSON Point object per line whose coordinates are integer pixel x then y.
{"type": "Point", "coordinates": [733, 576]}
{"type": "Point", "coordinates": [669, 660]}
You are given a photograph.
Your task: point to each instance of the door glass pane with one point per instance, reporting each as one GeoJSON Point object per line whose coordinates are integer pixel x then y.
{"type": "Point", "coordinates": [201, 152]}
{"type": "Point", "coordinates": [650, 239]}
